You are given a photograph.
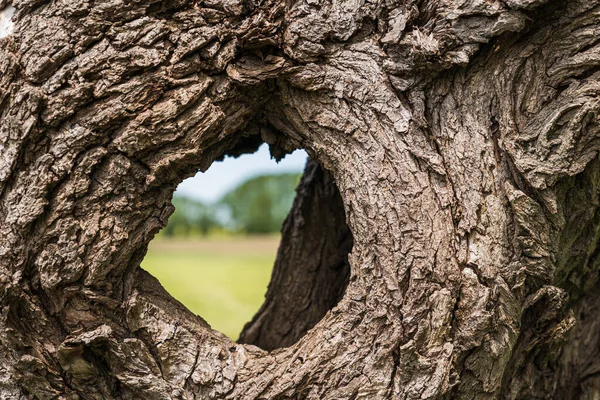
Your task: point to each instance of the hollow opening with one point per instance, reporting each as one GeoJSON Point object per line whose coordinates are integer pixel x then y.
{"type": "Point", "coordinates": [248, 223]}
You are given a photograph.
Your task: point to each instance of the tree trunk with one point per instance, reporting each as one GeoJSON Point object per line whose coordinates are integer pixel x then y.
{"type": "Point", "coordinates": [455, 148]}
{"type": "Point", "coordinates": [311, 270]}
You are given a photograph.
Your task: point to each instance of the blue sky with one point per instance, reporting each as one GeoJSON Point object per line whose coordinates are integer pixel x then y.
{"type": "Point", "coordinates": [225, 175]}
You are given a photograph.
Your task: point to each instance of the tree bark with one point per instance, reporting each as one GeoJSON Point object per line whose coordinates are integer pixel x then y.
{"type": "Point", "coordinates": [463, 140]}
{"type": "Point", "coordinates": [311, 270]}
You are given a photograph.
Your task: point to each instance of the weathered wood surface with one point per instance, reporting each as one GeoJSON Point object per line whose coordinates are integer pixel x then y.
{"type": "Point", "coordinates": [463, 138]}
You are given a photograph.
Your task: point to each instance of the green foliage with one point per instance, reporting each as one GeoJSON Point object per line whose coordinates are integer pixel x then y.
{"type": "Point", "coordinates": [261, 204]}
{"type": "Point", "coordinates": [190, 217]}
{"type": "Point", "coordinates": [257, 206]}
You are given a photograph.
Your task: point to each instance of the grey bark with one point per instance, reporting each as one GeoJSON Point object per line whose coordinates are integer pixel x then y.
{"type": "Point", "coordinates": [463, 139]}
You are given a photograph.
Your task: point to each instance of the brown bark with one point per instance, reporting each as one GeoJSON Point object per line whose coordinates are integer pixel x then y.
{"type": "Point", "coordinates": [463, 138]}
{"type": "Point", "coordinates": [311, 270]}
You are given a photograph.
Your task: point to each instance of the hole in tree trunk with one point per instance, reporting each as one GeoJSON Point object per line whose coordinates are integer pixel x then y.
{"type": "Point", "coordinates": [309, 275]}
{"type": "Point", "coordinates": [311, 271]}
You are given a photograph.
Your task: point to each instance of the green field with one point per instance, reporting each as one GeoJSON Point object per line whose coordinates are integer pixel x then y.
{"type": "Point", "coordinates": [224, 280]}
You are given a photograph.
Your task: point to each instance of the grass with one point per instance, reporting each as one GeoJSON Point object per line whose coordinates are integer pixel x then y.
{"type": "Point", "coordinates": [222, 279]}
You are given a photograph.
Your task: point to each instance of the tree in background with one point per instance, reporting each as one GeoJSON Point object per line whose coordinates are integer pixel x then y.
{"type": "Point", "coordinates": [260, 204]}
{"type": "Point", "coordinates": [190, 216]}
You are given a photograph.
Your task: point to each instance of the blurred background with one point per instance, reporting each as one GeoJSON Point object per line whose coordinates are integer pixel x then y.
{"type": "Point", "coordinates": [217, 252]}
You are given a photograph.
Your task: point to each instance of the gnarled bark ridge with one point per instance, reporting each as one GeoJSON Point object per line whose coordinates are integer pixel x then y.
{"type": "Point", "coordinates": [463, 139]}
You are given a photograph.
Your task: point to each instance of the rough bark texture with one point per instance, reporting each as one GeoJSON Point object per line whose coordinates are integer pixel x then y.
{"type": "Point", "coordinates": [463, 137]}
{"type": "Point", "coordinates": [311, 270]}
